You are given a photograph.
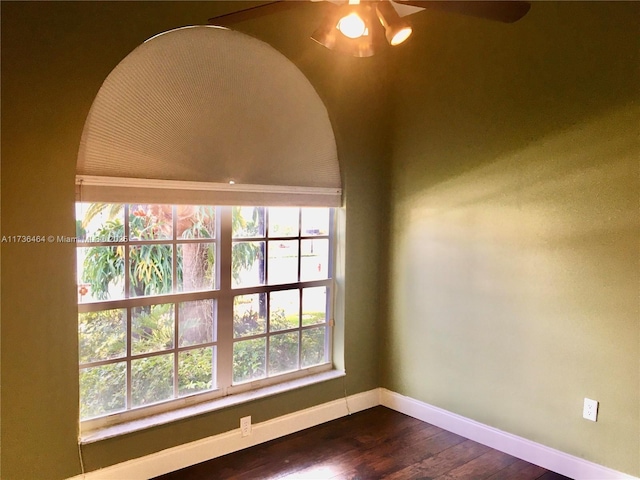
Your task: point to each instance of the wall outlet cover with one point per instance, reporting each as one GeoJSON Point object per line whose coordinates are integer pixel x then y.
{"type": "Point", "coordinates": [590, 409]}
{"type": "Point", "coordinates": [245, 426]}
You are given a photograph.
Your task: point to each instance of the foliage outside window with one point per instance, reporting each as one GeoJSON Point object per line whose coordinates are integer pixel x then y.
{"type": "Point", "coordinates": [156, 307]}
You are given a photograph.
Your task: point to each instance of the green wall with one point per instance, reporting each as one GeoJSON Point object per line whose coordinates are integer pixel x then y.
{"type": "Point", "coordinates": [55, 56]}
{"type": "Point", "coordinates": [514, 245]}
{"type": "Point", "coordinates": [509, 154]}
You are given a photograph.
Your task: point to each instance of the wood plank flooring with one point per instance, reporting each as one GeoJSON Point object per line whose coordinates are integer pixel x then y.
{"type": "Point", "coordinates": [378, 443]}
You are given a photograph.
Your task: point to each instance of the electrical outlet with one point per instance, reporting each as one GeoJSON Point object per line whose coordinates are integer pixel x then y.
{"type": "Point", "coordinates": [590, 410]}
{"type": "Point", "coordinates": [245, 426]}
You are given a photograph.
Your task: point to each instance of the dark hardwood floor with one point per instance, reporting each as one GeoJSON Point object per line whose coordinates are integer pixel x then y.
{"type": "Point", "coordinates": [374, 444]}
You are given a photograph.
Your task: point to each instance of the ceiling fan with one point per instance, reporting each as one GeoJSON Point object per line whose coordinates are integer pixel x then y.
{"type": "Point", "coordinates": [361, 28]}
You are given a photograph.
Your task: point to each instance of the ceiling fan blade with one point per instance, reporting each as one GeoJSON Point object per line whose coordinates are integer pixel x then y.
{"type": "Point", "coordinates": [506, 11]}
{"type": "Point", "coordinates": [251, 13]}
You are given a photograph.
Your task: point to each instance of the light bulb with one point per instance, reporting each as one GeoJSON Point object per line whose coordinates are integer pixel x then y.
{"type": "Point", "coordinates": [352, 26]}
{"type": "Point", "coordinates": [401, 36]}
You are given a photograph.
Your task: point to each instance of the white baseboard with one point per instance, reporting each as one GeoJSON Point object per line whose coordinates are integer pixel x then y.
{"type": "Point", "coordinates": [215, 446]}
{"type": "Point", "coordinates": [532, 452]}
{"type": "Point", "coordinates": [199, 451]}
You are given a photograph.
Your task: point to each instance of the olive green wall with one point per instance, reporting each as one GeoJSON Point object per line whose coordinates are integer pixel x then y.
{"type": "Point", "coordinates": [514, 221]}
{"type": "Point", "coordinates": [55, 56]}
{"type": "Point", "coordinates": [515, 227]}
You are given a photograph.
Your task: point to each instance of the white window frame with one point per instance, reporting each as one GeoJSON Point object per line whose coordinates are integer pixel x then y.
{"type": "Point", "coordinates": [223, 296]}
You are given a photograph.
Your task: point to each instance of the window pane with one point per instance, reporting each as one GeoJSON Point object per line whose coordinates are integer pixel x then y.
{"type": "Point", "coordinates": [196, 267]}
{"type": "Point", "coordinates": [151, 379]}
{"type": "Point", "coordinates": [99, 222]}
{"type": "Point", "coordinates": [152, 328]}
{"type": "Point", "coordinates": [101, 273]}
{"type": "Point", "coordinates": [314, 264]}
{"type": "Point", "coordinates": [249, 360]}
{"type": "Point", "coordinates": [150, 222]}
{"type": "Point", "coordinates": [314, 305]}
{"type": "Point", "coordinates": [247, 222]}
{"type": "Point", "coordinates": [247, 264]}
{"type": "Point", "coordinates": [249, 314]}
{"type": "Point", "coordinates": [283, 261]}
{"type": "Point", "coordinates": [284, 310]}
{"type": "Point", "coordinates": [151, 270]}
{"type": "Point", "coordinates": [313, 346]}
{"type": "Point", "coordinates": [283, 221]}
{"type": "Point", "coordinates": [155, 353]}
{"type": "Point", "coordinates": [102, 335]}
{"type": "Point", "coordinates": [315, 221]}
{"type": "Point", "coordinates": [102, 390]}
{"type": "Point", "coordinates": [196, 323]}
{"type": "Point", "coordinates": [283, 353]}
{"type": "Point", "coordinates": [195, 222]}
{"type": "Point", "coordinates": [195, 370]}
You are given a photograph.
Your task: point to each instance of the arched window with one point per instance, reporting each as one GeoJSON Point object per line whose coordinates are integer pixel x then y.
{"type": "Point", "coordinates": [205, 183]}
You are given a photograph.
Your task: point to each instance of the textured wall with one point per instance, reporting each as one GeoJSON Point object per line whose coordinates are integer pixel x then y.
{"type": "Point", "coordinates": [515, 227]}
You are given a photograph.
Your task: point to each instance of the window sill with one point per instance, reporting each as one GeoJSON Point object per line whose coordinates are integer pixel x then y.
{"type": "Point", "coordinates": [205, 407]}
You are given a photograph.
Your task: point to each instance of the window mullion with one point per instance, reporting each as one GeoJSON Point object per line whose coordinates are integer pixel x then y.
{"type": "Point", "coordinates": [127, 288]}
{"type": "Point", "coordinates": [300, 310]}
{"type": "Point", "coordinates": [299, 244]}
{"type": "Point", "coordinates": [267, 337]}
{"type": "Point", "coordinates": [174, 289]}
{"type": "Point", "coordinates": [225, 299]}
{"type": "Point", "coordinates": [331, 288]}
{"type": "Point", "coordinates": [267, 240]}
{"type": "Point", "coordinates": [128, 360]}
{"type": "Point", "coordinates": [126, 247]}
{"type": "Point", "coordinates": [265, 253]}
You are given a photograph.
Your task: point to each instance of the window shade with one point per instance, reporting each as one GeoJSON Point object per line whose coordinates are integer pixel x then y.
{"type": "Point", "coordinates": [207, 115]}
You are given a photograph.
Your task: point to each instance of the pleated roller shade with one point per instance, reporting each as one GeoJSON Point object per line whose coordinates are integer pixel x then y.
{"type": "Point", "coordinates": [207, 115]}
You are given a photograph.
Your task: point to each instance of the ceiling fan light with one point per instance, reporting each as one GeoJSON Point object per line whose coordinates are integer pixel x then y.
{"type": "Point", "coordinates": [399, 36]}
{"type": "Point", "coordinates": [371, 41]}
{"type": "Point", "coordinates": [352, 25]}
{"type": "Point", "coordinates": [396, 29]}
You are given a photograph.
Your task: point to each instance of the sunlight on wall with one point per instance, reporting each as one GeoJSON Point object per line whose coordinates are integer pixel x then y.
{"type": "Point", "coordinates": [524, 269]}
